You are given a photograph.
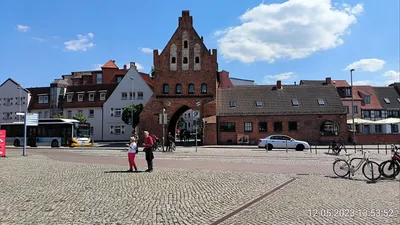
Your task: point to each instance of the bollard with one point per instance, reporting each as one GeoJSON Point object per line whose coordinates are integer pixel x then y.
{"type": "Point", "coordinates": [315, 149]}
{"type": "Point", "coordinates": [386, 148]}
{"type": "Point", "coordinates": [378, 148]}
{"type": "Point", "coordinates": [286, 146]}
{"type": "Point", "coordinates": [362, 147]}
{"type": "Point", "coordinates": [355, 148]}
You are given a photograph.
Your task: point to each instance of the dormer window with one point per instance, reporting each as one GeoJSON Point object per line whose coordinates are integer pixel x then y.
{"type": "Point", "coordinates": [367, 99]}
{"type": "Point", "coordinates": [69, 98]}
{"type": "Point", "coordinates": [102, 96]}
{"type": "Point", "coordinates": [80, 97]}
{"type": "Point", "coordinates": [348, 92]}
{"type": "Point", "coordinates": [91, 97]}
{"type": "Point", "coordinates": [259, 103]}
{"type": "Point", "coordinates": [386, 100]}
{"type": "Point", "coordinates": [232, 103]}
{"type": "Point", "coordinates": [295, 102]}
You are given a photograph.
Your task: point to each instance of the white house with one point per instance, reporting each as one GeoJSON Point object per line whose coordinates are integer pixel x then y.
{"type": "Point", "coordinates": [13, 99]}
{"type": "Point", "coordinates": [134, 88]}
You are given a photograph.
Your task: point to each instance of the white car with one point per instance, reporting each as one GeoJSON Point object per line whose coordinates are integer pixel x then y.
{"type": "Point", "coordinates": [279, 141]}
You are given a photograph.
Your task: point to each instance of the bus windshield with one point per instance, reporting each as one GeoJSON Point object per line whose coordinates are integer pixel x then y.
{"type": "Point", "coordinates": [83, 130]}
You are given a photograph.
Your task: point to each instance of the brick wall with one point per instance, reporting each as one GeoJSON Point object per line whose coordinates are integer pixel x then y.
{"type": "Point", "coordinates": [210, 134]}
{"type": "Point", "coordinates": [377, 138]}
{"type": "Point", "coordinates": [308, 128]}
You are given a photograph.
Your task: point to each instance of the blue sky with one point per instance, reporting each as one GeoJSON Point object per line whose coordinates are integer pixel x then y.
{"type": "Point", "coordinates": [259, 40]}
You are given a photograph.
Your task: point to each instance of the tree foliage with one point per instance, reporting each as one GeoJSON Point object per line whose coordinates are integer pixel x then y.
{"type": "Point", "coordinates": [127, 114]}
{"type": "Point", "coordinates": [59, 116]}
{"type": "Point", "coordinates": [80, 117]}
{"type": "Point", "coordinates": [181, 123]}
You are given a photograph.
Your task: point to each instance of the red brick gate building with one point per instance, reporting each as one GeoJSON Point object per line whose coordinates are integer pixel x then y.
{"type": "Point", "coordinates": [185, 77]}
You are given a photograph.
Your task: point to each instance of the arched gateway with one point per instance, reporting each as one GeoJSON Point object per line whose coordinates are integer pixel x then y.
{"type": "Point", "coordinates": [185, 77]}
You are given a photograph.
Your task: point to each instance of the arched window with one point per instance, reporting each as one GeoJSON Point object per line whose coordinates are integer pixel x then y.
{"type": "Point", "coordinates": [179, 88]}
{"type": "Point", "coordinates": [191, 89]}
{"type": "Point", "coordinates": [203, 88]}
{"type": "Point", "coordinates": [185, 44]}
{"type": "Point", "coordinates": [173, 60]}
{"type": "Point", "coordinates": [197, 59]}
{"type": "Point", "coordinates": [185, 60]}
{"type": "Point", "coordinates": [165, 89]}
{"type": "Point", "coordinates": [329, 128]}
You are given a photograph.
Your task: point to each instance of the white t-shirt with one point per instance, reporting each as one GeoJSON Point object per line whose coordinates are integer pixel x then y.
{"type": "Point", "coordinates": [132, 148]}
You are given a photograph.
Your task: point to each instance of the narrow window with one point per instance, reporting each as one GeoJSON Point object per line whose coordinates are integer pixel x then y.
{"type": "Point", "coordinates": [204, 88]}
{"type": "Point", "coordinates": [185, 60]}
{"type": "Point", "coordinates": [277, 126]}
{"type": "Point", "coordinates": [191, 88]}
{"type": "Point", "coordinates": [165, 89]}
{"type": "Point", "coordinates": [185, 44]}
{"type": "Point", "coordinates": [248, 127]}
{"type": "Point", "coordinates": [292, 126]}
{"type": "Point", "coordinates": [197, 59]}
{"type": "Point", "coordinates": [179, 88]}
{"type": "Point", "coordinates": [173, 60]}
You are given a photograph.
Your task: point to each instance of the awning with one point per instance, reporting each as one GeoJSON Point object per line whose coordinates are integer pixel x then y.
{"type": "Point", "coordinates": [360, 121]}
{"type": "Point", "coordinates": [388, 121]}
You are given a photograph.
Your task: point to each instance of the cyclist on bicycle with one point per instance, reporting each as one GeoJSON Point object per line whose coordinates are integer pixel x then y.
{"type": "Point", "coordinates": [156, 142]}
{"type": "Point", "coordinates": [170, 141]}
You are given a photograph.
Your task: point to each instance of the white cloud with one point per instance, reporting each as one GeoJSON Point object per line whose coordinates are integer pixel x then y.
{"type": "Point", "coordinates": [139, 67]}
{"type": "Point", "coordinates": [367, 65]}
{"type": "Point", "coordinates": [294, 29]}
{"type": "Point", "coordinates": [364, 82]}
{"type": "Point", "coordinates": [271, 79]}
{"type": "Point", "coordinates": [83, 43]}
{"type": "Point", "coordinates": [146, 50]}
{"type": "Point", "coordinates": [97, 66]}
{"type": "Point", "coordinates": [23, 28]}
{"type": "Point", "coordinates": [39, 39]}
{"type": "Point", "coordinates": [391, 77]}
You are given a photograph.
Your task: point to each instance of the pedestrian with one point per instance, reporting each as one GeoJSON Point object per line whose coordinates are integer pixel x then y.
{"type": "Point", "coordinates": [148, 144]}
{"type": "Point", "coordinates": [170, 141]}
{"type": "Point", "coordinates": [132, 151]}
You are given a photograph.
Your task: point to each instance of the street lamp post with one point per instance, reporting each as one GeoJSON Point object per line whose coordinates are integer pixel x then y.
{"type": "Point", "coordinates": [132, 95]}
{"type": "Point", "coordinates": [352, 105]}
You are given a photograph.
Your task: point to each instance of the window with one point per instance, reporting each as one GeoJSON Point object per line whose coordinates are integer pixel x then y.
{"type": "Point", "coordinates": [91, 130]}
{"type": "Point", "coordinates": [18, 100]}
{"type": "Point", "coordinates": [395, 128]}
{"type": "Point", "coordinates": [367, 114]}
{"type": "Point", "coordinates": [292, 126]}
{"type": "Point", "coordinates": [329, 128]}
{"type": "Point", "coordinates": [99, 78]}
{"type": "Point", "coordinates": [227, 127]}
{"type": "Point", "coordinates": [259, 103]}
{"type": "Point", "coordinates": [119, 79]}
{"type": "Point", "coordinates": [347, 108]}
{"type": "Point", "coordinates": [69, 114]}
{"type": "Point", "coordinates": [102, 96]}
{"type": "Point", "coordinates": [348, 92]}
{"type": "Point", "coordinates": [378, 114]}
{"type": "Point", "coordinates": [173, 60]}
{"type": "Point", "coordinates": [386, 100]}
{"type": "Point", "coordinates": [131, 95]}
{"type": "Point", "coordinates": [262, 127]}
{"type": "Point", "coordinates": [191, 88]}
{"type": "Point", "coordinates": [80, 97]}
{"type": "Point", "coordinates": [355, 109]}
{"type": "Point", "coordinates": [140, 95]}
{"type": "Point", "coordinates": [91, 97]}
{"type": "Point", "coordinates": [91, 113]}
{"type": "Point", "coordinates": [367, 99]}
{"type": "Point", "coordinates": [295, 102]}
{"type": "Point", "coordinates": [197, 59]}
{"type": "Point", "coordinates": [203, 88]}
{"type": "Point", "coordinates": [80, 112]}
{"type": "Point", "coordinates": [165, 89]}
{"type": "Point", "coordinates": [248, 127]}
{"type": "Point", "coordinates": [40, 115]}
{"type": "Point", "coordinates": [117, 130]}
{"type": "Point", "coordinates": [69, 98]}
{"type": "Point", "coordinates": [185, 44]}
{"type": "Point", "coordinates": [277, 126]}
{"type": "Point", "coordinates": [321, 101]}
{"type": "Point", "coordinates": [117, 112]}
{"type": "Point", "coordinates": [178, 89]}
{"type": "Point", "coordinates": [124, 95]}
{"type": "Point", "coordinates": [232, 103]}
{"type": "Point", "coordinates": [185, 60]}
{"type": "Point", "coordinates": [378, 128]}
{"type": "Point", "coordinates": [43, 99]}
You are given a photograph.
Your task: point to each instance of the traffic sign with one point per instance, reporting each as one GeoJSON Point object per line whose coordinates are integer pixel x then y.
{"type": "Point", "coordinates": [32, 119]}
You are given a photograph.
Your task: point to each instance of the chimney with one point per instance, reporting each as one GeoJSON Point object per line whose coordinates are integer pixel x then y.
{"type": "Point", "coordinates": [124, 66]}
{"type": "Point", "coordinates": [328, 80]}
{"type": "Point", "coordinates": [113, 61]}
{"type": "Point", "coordinates": [278, 84]}
{"type": "Point", "coordinates": [133, 65]}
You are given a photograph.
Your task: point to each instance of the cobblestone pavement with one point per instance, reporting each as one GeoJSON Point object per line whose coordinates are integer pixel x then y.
{"type": "Point", "coordinates": [50, 187]}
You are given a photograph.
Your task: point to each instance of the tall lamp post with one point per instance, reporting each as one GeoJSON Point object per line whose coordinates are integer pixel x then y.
{"type": "Point", "coordinates": [133, 100]}
{"type": "Point", "coordinates": [352, 105]}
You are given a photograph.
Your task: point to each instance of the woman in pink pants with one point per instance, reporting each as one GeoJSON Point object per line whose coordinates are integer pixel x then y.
{"type": "Point", "coordinates": [131, 154]}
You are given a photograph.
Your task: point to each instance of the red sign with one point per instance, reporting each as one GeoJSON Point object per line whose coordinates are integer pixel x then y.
{"type": "Point", "coordinates": [2, 143]}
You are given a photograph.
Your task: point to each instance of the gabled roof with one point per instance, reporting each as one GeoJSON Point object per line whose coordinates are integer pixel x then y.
{"type": "Point", "coordinates": [110, 65]}
{"type": "Point", "coordinates": [33, 103]}
{"type": "Point", "coordinates": [146, 77]}
{"type": "Point", "coordinates": [340, 83]}
{"type": "Point", "coordinates": [312, 82]}
{"type": "Point", "coordinates": [16, 83]}
{"type": "Point", "coordinates": [279, 101]}
{"type": "Point", "coordinates": [391, 94]}
{"type": "Point", "coordinates": [367, 90]}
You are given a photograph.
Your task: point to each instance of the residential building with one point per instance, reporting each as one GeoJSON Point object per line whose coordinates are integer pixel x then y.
{"type": "Point", "coordinates": [312, 113]}
{"type": "Point", "coordinates": [345, 93]}
{"type": "Point", "coordinates": [39, 102]}
{"type": "Point", "coordinates": [13, 99]}
{"type": "Point", "coordinates": [389, 99]}
{"type": "Point", "coordinates": [134, 88]}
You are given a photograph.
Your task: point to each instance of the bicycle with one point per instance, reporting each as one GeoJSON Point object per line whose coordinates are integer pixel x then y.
{"type": "Point", "coordinates": [337, 147]}
{"type": "Point", "coordinates": [392, 164]}
{"type": "Point", "coordinates": [347, 167]}
{"type": "Point", "coordinates": [157, 146]}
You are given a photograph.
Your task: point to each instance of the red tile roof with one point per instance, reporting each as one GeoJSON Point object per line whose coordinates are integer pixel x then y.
{"type": "Point", "coordinates": [367, 90]}
{"type": "Point", "coordinates": [87, 88]}
{"type": "Point", "coordinates": [340, 83]}
{"type": "Point", "coordinates": [146, 77]}
{"type": "Point", "coordinates": [34, 102]}
{"type": "Point", "coordinates": [110, 65]}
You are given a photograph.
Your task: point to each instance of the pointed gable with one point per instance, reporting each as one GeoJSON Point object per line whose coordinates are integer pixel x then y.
{"type": "Point", "coordinates": [110, 65]}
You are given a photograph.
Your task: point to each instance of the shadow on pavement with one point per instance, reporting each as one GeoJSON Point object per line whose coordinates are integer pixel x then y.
{"type": "Point", "coordinates": [124, 171]}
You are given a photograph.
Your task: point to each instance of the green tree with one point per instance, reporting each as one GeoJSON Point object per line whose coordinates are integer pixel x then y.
{"type": "Point", "coordinates": [59, 116]}
{"type": "Point", "coordinates": [80, 117]}
{"type": "Point", "coordinates": [127, 115]}
{"type": "Point", "coordinates": [181, 123]}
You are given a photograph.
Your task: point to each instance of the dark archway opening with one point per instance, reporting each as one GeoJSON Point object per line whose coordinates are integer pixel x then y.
{"type": "Point", "coordinates": [182, 126]}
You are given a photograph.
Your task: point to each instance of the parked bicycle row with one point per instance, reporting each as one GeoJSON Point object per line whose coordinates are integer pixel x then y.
{"type": "Point", "coordinates": [371, 169]}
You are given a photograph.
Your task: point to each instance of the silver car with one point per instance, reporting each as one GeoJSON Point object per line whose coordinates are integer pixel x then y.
{"type": "Point", "coordinates": [281, 141]}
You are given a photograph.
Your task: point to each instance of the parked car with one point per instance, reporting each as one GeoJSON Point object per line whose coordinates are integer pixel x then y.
{"type": "Point", "coordinates": [279, 141]}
